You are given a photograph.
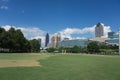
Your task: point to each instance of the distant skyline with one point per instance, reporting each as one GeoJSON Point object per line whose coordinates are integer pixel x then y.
{"type": "Point", "coordinates": [72, 18]}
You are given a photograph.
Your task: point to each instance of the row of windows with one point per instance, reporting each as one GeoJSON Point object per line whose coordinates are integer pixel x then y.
{"type": "Point", "coordinates": [72, 43]}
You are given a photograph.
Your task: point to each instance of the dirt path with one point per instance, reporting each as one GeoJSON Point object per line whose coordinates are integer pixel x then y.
{"type": "Point", "coordinates": [18, 63]}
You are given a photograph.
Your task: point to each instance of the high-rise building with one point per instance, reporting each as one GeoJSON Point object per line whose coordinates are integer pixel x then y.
{"type": "Point", "coordinates": [47, 40]}
{"type": "Point", "coordinates": [113, 38]}
{"type": "Point", "coordinates": [55, 40]}
{"type": "Point", "coordinates": [111, 34]}
{"type": "Point", "coordinates": [99, 30]}
{"type": "Point", "coordinates": [53, 45]}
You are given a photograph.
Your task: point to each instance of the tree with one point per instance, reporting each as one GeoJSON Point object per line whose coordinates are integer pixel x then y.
{"type": "Point", "coordinates": [14, 40]}
{"type": "Point", "coordinates": [2, 37]}
{"type": "Point", "coordinates": [75, 49]}
{"type": "Point", "coordinates": [35, 46]}
{"type": "Point", "coordinates": [103, 46]}
{"type": "Point", "coordinates": [51, 49]}
{"type": "Point", "coordinates": [17, 42]}
{"type": "Point", "coordinates": [22, 44]}
{"type": "Point", "coordinates": [83, 50]}
{"type": "Point", "coordinates": [61, 49]}
{"type": "Point", "coordinates": [93, 47]}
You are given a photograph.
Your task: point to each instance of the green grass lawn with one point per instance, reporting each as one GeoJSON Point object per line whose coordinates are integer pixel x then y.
{"type": "Point", "coordinates": [62, 67]}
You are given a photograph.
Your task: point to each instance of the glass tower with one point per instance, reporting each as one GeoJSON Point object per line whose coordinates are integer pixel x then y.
{"type": "Point", "coordinates": [47, 40]}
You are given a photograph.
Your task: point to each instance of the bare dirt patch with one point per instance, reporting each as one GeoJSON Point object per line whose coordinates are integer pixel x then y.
{"type": "Point", "coordinates": [18, 63]}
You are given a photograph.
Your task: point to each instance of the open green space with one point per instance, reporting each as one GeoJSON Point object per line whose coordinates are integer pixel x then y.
{"type": "Point", "coordinates": [60, 67]}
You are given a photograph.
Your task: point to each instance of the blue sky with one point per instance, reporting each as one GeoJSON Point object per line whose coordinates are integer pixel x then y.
{"type": "Point", "coordinates": [60, 15]}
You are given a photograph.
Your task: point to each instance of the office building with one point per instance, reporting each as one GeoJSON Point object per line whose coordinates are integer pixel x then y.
{"type": "Point", "coordinates": [100, 39]}
{"type": "Point", "coordinates": [99, 31]}
{"type": "Point", "coordinates": [113, 38]}
{"type": "Point", "coordinates": [46, 40]}
{"type": "Point", "coordinates": [76, 42]}
{"type": "Point", "coordinates": [55, 40]}
{"type": "Point", "coordinates": [66, 38]}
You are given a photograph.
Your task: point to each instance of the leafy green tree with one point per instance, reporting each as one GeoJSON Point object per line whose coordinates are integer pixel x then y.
{"type": "Point", "coordinates": [61, 48]}
{"type": "Point", "coordinates": [93, 47]}
{"type": "Point", "coordinates": [75, 49]}
{"type": "Point", "coordinates": [68, 50]}
{"type": "Point", "coordinates": [35, 46]}
{"type": "Point", "coordinates": [103, 46]}
{"type": "Point", "coordinates": [21, 42]}
{"type": "Point", "coordinates": [2, 37]}
{"type": "Point", "coordinates": [51, 49]}
{"type": "Point", "coordinates": [17, 42]}
{"type": "Point", "coordinates": [83, 50]}
{"type": "Point", "coordinates": [14, 40]}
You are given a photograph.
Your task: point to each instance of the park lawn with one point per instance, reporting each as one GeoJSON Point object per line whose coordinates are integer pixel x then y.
{"type": "Point", "coordinates": [62, 67]}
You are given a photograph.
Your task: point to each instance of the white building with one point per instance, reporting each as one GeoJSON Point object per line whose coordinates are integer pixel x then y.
{"type": "Point", "coordinates": [55, 40]}
{"type": "Point", "coordinates": [99, 30]}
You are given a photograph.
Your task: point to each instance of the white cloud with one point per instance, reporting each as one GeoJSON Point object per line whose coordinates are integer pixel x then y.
{"type": "Point", "coordinates": [78, 31]}
{"type": "Point", "coordinates": [106, 30]}
{"type": "Point", "coordinates": [68, 32]}
{"type": "Point", "coordinates": [30, 33]}
{"type": "Point", "coordinates": [6, 27]}
{"type": "Point", "coordinates": [33, 33]}
{"type": "Point", "coordinates": [4, 4]}
{"type": "Point", "coordinates": [3, 7]}
{"type": "Point", "coordinates": [90, 31]}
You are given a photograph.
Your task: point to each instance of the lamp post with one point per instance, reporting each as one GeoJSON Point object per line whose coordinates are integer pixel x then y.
{"type": "Point", "coordinates": [119, 40]}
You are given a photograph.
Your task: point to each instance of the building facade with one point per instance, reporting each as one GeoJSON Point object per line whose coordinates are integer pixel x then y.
{"type": "Point", "coordinates": [55, 40]}
{"type": "Point", "coordinates": [100, 39]}
{"type": "Point", "coordinates": [113, 38]}
{"type": "Point", "coordinates": [99, 31]}
{"type": "Point", "coordinates": [76, 42]}
{"type": "Point", "coordinates": [46, 40]}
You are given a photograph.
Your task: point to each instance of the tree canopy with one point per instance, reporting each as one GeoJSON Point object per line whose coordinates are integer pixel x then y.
{"type": "Point", "coordinates": [35, 46]}
{"type": "Point", "coordinates": [15, 41]}
{"type": "Point", "coordinates": [93, 47]}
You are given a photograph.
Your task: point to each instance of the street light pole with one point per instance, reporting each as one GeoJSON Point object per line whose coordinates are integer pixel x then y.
{"type": "Point", "coordinates": [119, 40]}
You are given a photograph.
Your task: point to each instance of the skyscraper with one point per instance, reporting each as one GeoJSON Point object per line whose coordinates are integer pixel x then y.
{"type": "Point", "coordinates": [47, 40]}
{"type": "Point", "coordinates": [53, 45]}
{"type": "Point", "coordinates": [55, 40]}
{"type": "Point", "coordinates": [99, 30]}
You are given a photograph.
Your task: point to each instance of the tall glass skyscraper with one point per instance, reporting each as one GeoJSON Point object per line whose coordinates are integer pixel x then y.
{"type": "Point", "coordinates": [47, 40]}
{"type": "Point", "coordinates": [99, 30]}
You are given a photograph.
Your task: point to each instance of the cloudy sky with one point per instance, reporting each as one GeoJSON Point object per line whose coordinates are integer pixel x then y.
{"type": "Point", "coordinates": [71, 18]}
